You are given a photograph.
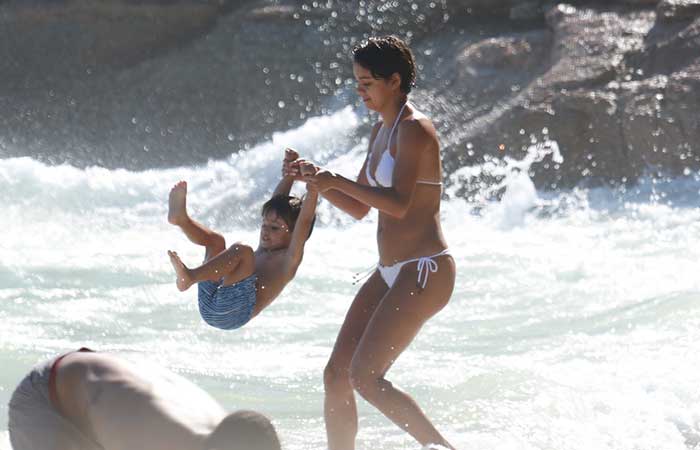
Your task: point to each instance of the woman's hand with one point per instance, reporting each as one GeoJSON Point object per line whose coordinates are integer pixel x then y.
{"type": "Point", "coordinates": [307, 168]}
{"type": "Point", "coordinates": [323, 180]}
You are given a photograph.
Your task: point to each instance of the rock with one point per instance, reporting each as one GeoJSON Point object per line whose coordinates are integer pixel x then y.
{"type": "Point", "coordinates": [162, 83]}
{"type": "Point", "coordinates": [528, 10]}
{"type": "Point", "coordinates": [641, 2]}
{"type": "Point", "coordinates": [49, 43]}
{"type": "Point", "coordinates": [657, 123]}
{"type": "Point", "coordinates": [123, 98]}
{"type": "Point", "coordinates": [670, 10]}
{"type": "Point", "coordinates": [568, 96]}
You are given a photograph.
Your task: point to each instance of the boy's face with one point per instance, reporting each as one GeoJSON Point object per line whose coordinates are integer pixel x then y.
{"type": "Point", "coordinates": [274, 232]}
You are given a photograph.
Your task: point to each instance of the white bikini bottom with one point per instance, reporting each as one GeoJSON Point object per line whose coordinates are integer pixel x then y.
{"type": "Point", "coordinates": [426, 264]}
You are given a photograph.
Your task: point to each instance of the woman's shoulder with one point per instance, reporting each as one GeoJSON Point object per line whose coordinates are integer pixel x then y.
{"type": "Point", "coordinates": [417, 126]}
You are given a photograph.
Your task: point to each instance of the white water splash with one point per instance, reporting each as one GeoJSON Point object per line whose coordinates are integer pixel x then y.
{"type": "Point", "coordinates": [576, 330]}
{"type": "Point", "coordinates": [517, 192]}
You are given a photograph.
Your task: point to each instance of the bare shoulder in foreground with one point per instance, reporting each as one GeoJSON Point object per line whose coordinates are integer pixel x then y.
{"type": "Point", "coordinates": [86, 400]}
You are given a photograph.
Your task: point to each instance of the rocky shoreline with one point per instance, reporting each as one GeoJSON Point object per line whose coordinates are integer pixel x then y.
{"type": "Point", "coordinates": [166, 83]}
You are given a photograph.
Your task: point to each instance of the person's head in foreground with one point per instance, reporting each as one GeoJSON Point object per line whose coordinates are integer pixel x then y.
{"type": "Point", "coordinates": [385, 69]}
{"type": "Point", "coordinates": [243, 430]}
{"type": "Point", "coordinates": [279, 215]}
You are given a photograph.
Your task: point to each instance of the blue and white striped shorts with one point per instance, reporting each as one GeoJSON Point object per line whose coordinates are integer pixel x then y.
{"type": "Point", "coordinates": [227, 307]}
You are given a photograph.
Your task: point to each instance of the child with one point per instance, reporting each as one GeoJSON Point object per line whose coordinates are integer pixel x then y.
{"type": "Point", "coordinates": [237, 282]}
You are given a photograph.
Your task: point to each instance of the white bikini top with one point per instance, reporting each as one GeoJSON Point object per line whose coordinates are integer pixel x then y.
{"type": "Point", "coordinates": [384, 172]}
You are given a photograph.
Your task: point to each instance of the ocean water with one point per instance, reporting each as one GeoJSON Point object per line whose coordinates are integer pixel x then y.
{"type": "Point", "coordinates": [574, 324]}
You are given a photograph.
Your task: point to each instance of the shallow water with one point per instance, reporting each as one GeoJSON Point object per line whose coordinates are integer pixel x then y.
{"type": "Point", "coordinates": [574, 323]}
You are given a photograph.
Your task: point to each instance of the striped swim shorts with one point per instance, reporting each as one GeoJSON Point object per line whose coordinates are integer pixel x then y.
{"type": "Point", "coordinates": [227, 307]}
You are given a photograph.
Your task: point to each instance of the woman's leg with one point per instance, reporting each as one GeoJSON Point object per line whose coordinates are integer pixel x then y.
{"type": "Point", "coordinates": [340, 410]}
{"type": "Point", "coordinates": [396, 321]}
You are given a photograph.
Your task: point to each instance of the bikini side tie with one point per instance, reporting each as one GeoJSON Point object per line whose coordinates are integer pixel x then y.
{"type": "Point", "coordinates": [426, 265]}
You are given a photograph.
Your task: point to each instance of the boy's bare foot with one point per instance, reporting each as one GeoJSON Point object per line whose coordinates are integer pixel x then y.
{"type": "Point", "coordinates": [177, 203]}
{"type": "Point", "coordinates": [184, 281]}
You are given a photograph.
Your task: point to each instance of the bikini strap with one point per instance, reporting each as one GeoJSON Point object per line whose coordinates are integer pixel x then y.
{"type": "Point", "coordinates": [396, 122]}
{"type": "Point", "coordinates": [361, 276]}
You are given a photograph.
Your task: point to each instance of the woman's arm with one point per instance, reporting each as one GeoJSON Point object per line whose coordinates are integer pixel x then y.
{"type": "Point", "coordinates": [412, 141]}
{"type": "Point", "coordinates": [340, 200]}
{"type": "Point", "coordinates": [346, 203]}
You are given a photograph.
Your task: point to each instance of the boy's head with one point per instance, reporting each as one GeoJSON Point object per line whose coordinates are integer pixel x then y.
{"type": "Point", "coordinates": [279, 216]}
{"type": "Point", "coordinates": [244, 430]}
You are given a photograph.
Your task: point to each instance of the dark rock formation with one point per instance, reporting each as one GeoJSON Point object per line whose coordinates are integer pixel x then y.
{"type": "Point", "coordinates": [164, 83]}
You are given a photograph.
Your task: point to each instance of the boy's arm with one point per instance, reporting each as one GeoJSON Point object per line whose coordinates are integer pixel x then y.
{"type": "Point", "coordinates": [295, 251]}
{"type": "Point", "coordinates": [285, 184]}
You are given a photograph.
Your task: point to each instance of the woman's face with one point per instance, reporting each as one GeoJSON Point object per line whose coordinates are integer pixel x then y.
{"type": "Point", "coordinates": [375, 93]}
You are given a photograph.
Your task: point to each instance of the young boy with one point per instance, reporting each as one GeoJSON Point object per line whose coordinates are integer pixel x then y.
{"type": "Point", "coordinates": [237, 282]}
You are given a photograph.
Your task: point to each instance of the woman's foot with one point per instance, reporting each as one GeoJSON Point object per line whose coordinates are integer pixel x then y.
{"type": "Point", "coordinates": [184, 281]}
{"type": "Point", "coordinates": [177, 203]}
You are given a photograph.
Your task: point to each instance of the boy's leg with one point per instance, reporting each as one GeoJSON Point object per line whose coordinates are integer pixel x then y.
{"type": "Point", "coordinates": [230, 266]}
{"type": "Point", "coordinates": [195, 232]}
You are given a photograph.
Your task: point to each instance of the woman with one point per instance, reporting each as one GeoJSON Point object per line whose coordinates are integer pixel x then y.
{"type": "Point", "coordinates": [401, 177]}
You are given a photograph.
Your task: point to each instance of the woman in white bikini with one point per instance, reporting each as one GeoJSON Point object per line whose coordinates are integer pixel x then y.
{"type": "Point", "coordinates": [401, 177]}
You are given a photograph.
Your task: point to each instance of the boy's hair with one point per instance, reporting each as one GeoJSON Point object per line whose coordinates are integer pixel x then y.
{"type": "Point", "coordinates": [287, 208]}
{"type": "Point", "coordinates": [244, 430]}
{"type": "Point", "coordinates": [385, 56]}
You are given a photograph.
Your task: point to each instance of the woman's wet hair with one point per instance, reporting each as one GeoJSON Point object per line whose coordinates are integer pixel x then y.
{"type": "Point", "coordinates": [287, 208]}
{"type": "Point", "coordinates": [244, 430]}
{"type": "Point", "coordinates": [385, 56]}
